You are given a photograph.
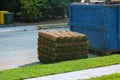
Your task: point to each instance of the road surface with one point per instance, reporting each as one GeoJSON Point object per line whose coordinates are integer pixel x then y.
{"type": "Point", "coordinates": [19, 48]}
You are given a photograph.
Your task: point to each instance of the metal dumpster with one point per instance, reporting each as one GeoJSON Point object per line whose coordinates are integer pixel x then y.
{"type": "Point", "coordinates": [100, 22]}
{"type": "Point", "coordinates": [2, 19]}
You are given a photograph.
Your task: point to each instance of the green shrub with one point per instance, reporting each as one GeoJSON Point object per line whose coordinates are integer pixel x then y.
{"type": "Point", "coordinates": [34, 10]}
{"type": "Point", "coordinates": [59, 8]}
{"type": "Point", "coordinates": [9, 5]}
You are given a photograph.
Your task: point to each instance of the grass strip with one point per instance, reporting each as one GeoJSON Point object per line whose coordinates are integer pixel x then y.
{"type": "Point", "coordinates": [50, 26]}
{"type": "Point", "coordinates": [60, 67]}
{"type": "Point", "coordinates": [115, 76]}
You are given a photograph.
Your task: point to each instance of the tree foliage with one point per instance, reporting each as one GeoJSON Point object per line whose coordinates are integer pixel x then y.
{"type": "Point", "coordinates": [36, 10]}
{"type": "Point", "coordinates": [32, 10]}
{"type": "Point", "coordinates": [10, 5]}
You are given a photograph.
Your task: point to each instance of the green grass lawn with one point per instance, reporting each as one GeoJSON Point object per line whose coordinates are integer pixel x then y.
{"type": "Point", "coordinates": [60, 67]}
{"type": "Point", "coordinates": [108, 77]}
{"type": "Point", "coordinates": [51, 21]}
{"type": "Point", "coordinates": [49, 26]}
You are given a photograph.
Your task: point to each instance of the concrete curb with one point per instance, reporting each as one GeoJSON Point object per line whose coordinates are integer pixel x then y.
{"type": "Point", "coordinates": [31, 27]}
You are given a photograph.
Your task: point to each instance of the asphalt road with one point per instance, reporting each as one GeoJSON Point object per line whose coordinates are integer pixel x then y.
{"type": "Point", "coordinates": [19, 48]}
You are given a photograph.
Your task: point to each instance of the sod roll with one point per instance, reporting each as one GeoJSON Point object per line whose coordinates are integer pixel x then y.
{"type": "Point", "coordinates": [56, 46]}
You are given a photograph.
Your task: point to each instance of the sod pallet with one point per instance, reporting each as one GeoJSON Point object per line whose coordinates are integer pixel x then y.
{"type": "Point", "coordinates": [61, 45]}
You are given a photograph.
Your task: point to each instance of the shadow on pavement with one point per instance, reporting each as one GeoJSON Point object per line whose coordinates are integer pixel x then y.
{"type": "Point", "coordinates": [30, 64]}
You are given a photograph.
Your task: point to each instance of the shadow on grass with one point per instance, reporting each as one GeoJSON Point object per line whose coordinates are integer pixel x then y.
{"type": "Point", "coordinates": [41, 63]}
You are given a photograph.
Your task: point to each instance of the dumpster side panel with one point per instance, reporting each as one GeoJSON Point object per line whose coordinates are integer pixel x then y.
{"type": "Point", "coordinates": [118, 26]}
{"type": "Point", "coordinates": [111, 24]}
{"type": "Point", "coordinates": [99, 22]}
{"type": "Point", "coordinates": [89, 20]}
{"type": "Point", "coordinates": [96, 37]}
{"type": "Point", "coordinates": [86, 16]}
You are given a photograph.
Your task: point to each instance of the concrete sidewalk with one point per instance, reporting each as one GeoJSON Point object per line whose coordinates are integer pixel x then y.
{"type": "Point", "coordinates": [83, 74]}
{"type": "Point", "coordinates": [18, 28]}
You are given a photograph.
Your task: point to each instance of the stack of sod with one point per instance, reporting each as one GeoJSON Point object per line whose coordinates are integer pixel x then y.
{"type": "Point", "coordinates": [61, 45]}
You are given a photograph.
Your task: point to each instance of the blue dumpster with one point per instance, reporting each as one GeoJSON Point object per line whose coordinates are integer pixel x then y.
{"type": "Point", "coordinates": [100, 22]}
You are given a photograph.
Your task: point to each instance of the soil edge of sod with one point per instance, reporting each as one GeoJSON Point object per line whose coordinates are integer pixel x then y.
{"type": "Point", "coordinates": [60, 67]}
